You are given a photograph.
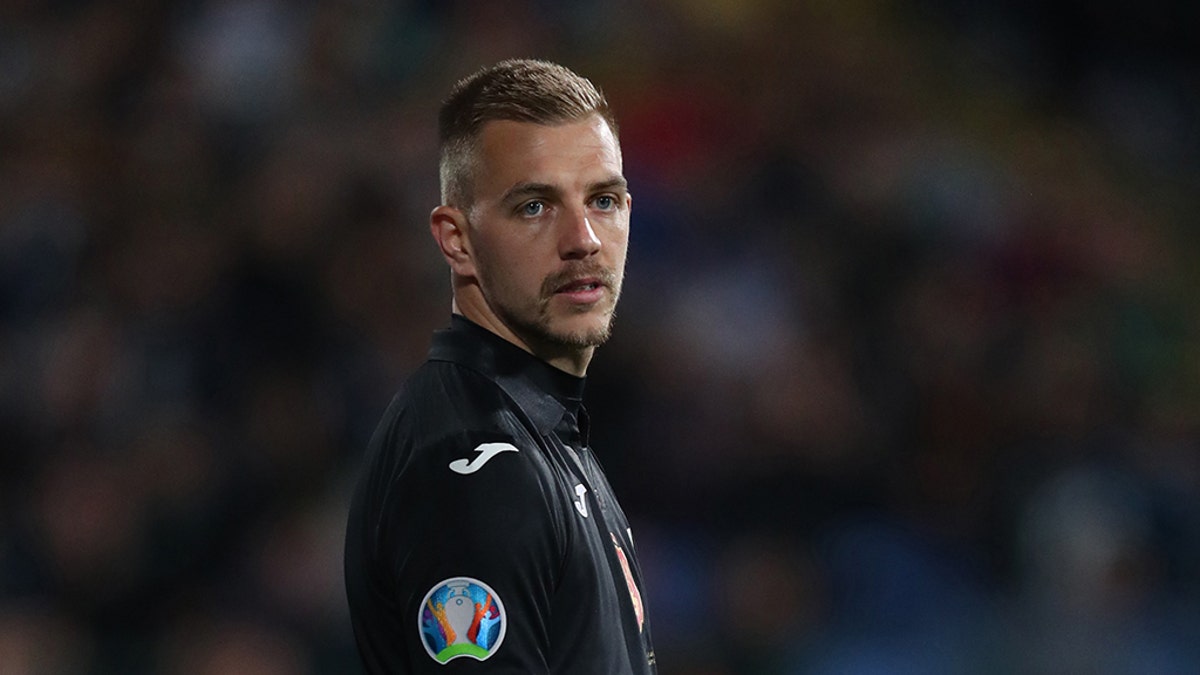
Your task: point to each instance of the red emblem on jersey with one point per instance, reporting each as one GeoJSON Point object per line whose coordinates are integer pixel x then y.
{"type": "Point", "coordinates": [634, 594]}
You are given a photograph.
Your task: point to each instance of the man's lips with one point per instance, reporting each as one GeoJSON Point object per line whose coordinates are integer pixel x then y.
{"type": "Point", "coordinates": [583, 291]}
{"type": "Point", "coordinates": [583, 285]}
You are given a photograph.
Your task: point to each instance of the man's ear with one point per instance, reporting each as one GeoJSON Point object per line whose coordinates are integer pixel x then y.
{"type": "Point", "coordinates": [449, 228]}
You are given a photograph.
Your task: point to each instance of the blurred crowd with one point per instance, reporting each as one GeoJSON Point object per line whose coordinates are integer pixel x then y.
{"type": "Point", "coordinates": [906, 378]}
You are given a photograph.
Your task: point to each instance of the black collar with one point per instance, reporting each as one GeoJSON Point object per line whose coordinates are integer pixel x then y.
{"type": "Point", "coordinates": [543, 391]}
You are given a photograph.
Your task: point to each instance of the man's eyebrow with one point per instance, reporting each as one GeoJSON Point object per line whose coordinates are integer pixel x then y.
{"type": "Point", "coordinates": [614, 183]}
{"type": "Point", "coordinates": [530, 189]}
{"type": "Point", "coordinates": [522, 190]}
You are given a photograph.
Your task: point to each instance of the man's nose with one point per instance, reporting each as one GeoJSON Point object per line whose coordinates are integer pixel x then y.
{"type": "Point", "coordinates": [577, 237]}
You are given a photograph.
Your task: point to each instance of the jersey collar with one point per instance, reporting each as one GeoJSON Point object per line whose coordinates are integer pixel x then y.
{"type": "Point", "coordinates": [543, 391]}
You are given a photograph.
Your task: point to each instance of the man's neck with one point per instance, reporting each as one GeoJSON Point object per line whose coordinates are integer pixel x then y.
{"type": "Point", "coordinates": [569, 359]}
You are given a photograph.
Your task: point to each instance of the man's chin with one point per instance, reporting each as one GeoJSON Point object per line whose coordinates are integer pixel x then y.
{"type": "Point", "coordinates": [579, 339]}
{"type": "Point", "coordinates": [561, 330]}
{"type": "Point", "coordinates": [578, 334]}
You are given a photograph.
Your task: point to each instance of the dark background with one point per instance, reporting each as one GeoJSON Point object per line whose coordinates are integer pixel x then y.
{"type": "Point", "coordinates": [906, 378]}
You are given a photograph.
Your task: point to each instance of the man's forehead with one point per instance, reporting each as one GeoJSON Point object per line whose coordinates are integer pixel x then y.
{"type": "Point", "coordinates": [592, 130]}
{"type": "Point", "coordinates": [525, 152]}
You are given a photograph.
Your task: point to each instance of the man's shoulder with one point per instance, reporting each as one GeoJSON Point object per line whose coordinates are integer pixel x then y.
{"type": "Point", "coordinates": [453, 431]}
{"type": "Point", "coordinates": [446, 411]}
{"type": "Point", "coordinates": [444, 395]}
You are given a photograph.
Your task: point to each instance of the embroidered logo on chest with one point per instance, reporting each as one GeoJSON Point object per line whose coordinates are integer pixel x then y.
{"type": "Point", "coordinates": [581, 500]}
{"type": "Point", "coordinates": [634, 594]}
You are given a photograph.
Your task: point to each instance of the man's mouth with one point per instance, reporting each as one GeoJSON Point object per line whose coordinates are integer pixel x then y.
{"type": "Point", "coordinates": [582, 292]}
{"type": "Point", "coordinates": [580, 286]}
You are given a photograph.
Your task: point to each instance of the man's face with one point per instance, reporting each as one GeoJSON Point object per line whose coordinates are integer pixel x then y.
{"type": "Point", "coordinates": [549, 229]}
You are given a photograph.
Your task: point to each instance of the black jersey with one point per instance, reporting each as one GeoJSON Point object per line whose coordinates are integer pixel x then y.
{"type": "Point", "coordinates": [483, 536]}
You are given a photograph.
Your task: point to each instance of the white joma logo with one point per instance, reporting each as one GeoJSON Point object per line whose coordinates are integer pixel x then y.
{"type": "Point", "coordinates": [486, 452]}
{"type": "Point", "coordinates": [581, 503]}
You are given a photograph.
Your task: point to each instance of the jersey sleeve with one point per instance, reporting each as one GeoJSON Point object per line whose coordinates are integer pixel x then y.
{"type": "Point", "coordinates": [470, 548]}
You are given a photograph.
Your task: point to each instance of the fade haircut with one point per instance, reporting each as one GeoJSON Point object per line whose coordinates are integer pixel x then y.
{"type": "Point", "coordinates": [518, 90]}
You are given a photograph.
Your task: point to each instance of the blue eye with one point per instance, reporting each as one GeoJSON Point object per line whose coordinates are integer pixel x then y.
{"type": "Point", "coordinates": [534, 208]}
{"type": "Point", "coordinates": [605, 202]}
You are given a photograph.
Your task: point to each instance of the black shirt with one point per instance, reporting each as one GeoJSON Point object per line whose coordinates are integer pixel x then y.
{"type": "Point", "coordinates": [483, 536]}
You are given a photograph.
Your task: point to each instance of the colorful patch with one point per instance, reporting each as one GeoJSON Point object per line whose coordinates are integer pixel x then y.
{"type": "Point", "coordinates": [461, 616]}
{"type": "Point", "coordinates": [634, 594]}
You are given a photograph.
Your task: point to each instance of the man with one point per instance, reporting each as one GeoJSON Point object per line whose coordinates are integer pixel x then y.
{"type": "Point", "coordinates": [484, 537]}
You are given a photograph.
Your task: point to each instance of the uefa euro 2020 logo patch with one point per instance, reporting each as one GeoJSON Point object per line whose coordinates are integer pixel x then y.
{"type": "Point", "coordinates": [461, 616]}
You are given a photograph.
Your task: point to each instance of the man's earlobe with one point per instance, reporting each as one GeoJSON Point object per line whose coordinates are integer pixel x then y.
{"type": "Point", "coordinates": [449, 228]}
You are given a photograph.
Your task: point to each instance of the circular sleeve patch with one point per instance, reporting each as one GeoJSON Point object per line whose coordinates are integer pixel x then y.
{"type": "Point", "coordinates": [461, 616]}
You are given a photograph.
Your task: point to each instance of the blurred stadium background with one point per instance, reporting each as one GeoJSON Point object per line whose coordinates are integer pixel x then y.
{"type": "Point", "coordinates": [906, 378]}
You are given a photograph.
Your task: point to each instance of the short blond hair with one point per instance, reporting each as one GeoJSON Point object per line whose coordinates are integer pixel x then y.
{"type": "Point", "coordinates": [519, 90]}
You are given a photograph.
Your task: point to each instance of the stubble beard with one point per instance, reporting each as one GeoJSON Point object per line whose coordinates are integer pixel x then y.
{"type": "Point", "coordinates": [536, 323]}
